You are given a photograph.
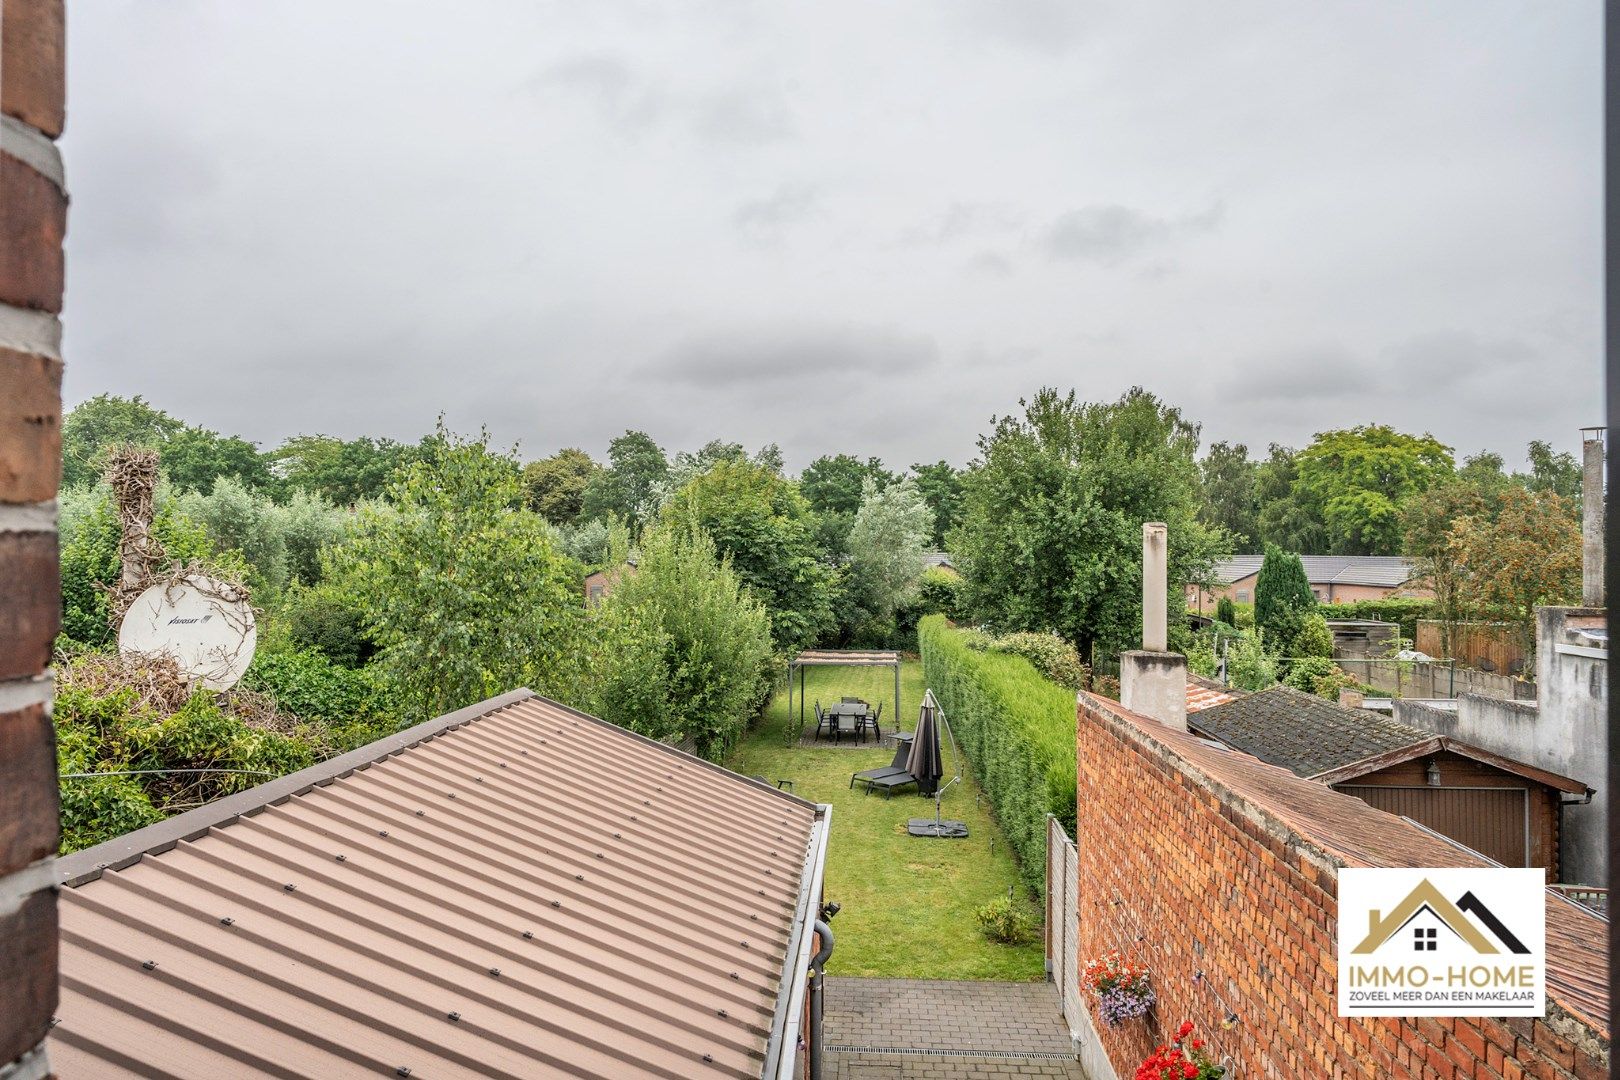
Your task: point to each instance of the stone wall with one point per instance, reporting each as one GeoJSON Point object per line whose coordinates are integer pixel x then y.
{"type": "Point", "coordinates": [33, 218]}
{"type": "Point", "coordinates": [1188, 861]}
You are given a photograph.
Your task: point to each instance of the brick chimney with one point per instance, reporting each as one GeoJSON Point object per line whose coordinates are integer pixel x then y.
{"type": "Point", "coordinates": [1153, 680]}
{"type": "Point", "coordinates": [1592, 516]}
{"type": "Point", "coordinates": [33, 217]}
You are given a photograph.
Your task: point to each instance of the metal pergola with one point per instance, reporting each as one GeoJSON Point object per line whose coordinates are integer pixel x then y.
{"type": "Point", "coordinates": [839, 658]}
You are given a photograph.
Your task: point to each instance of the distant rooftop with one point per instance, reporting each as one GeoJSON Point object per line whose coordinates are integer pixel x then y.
{"type": "Point", "coordinates": [1380, 570]}
{"type": "Point", "coordinates": [939, 558]}
{"type": "Point", "coordinates": [1301, 732]}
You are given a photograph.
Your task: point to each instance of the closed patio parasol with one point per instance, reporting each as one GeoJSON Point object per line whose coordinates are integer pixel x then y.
{"type": "Point", "coordinates": [926, 765]}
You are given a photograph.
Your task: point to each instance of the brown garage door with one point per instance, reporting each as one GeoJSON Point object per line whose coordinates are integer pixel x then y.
{"type": "Point", "coordinates": [1492, 821]}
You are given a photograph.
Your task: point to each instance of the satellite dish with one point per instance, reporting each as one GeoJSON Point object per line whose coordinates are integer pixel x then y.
{"type": "Point", "coordinates": [205, 625]}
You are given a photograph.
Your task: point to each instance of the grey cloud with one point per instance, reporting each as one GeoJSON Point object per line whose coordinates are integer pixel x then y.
{"type": "Point", "coordinates": [991, 263]}
{"type": "Point", "coordinates": [1045, 26]}
{"type": "Point", "coordinates": [608, 82]}
{"type": "Point", "coordinates": [745, 115]}
{"type": "Point", "coordinates": [1111, 234]}
{"type": "Point", "coordinates": [1446, 358]}
{"type": "Point", "coordinates": [960, 220]}
{"type": "Point", "coordinates": [772, 354]}
{"type": "Point", "coordinates": [761, 220]}
{"type": "Point", "coordinates": [1309, 373]}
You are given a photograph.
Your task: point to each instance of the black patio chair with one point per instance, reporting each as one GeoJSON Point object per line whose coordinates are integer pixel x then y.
{"type": "Point", "coordinates": [779, 784]}
{"type": "Point", "coordinates": [823, 720]}
{"type": "Point", "coordinates": [872, 720]}
{"type": "Point", "coordinates": [897, 767]}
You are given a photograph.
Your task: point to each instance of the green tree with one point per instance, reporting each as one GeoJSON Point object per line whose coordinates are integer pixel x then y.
{"type": "Point", "coordinates": [1362, 477]}
{"type": "Point", "coordinates": [466, 596]}
{"type": "Point", "coordinates": [1524, 556]}
{"type": "Point", "coordinates": [886, 547]}
{"type": "Point", "coordinates": [764, 526]}
{"type": "Point", "coordinates": [633, 484]}
{"type": "Point", "coordinates": [1227, 493]}
{"type": "Point", "coordinates": [1427, 522]}
{"type": "Point", "coordinates": [1289, 515]}
{"type": "Point", "coordinates": [941, 488]}
{"type": "Point", "coordinates": [1554, 471]}
{"type": "Point", "coordinates": [1282, 599]}
{"type": "Point", "coordinates": [682, 648]}
{"type": "Point", "coordinates": [1051, 532]}
{"type": "Point", "coordinates": [93, 427]}
{"type": "Point", "coordinates": [554, 487]}
{"type": "Point", "coordinates": [689, 465]}
{"type": "Point", "coordinates": [193, 458]}
{"type": "Point", "coordinates": [1226, 611]}
{"type": "Point", "coordinates": [343, 473]}
{"type": "Point", "coordinates": [833, 485]}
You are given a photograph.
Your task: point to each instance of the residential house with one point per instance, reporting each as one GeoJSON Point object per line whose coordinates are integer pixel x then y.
{"type": "Point", "coordinates": [600, 583]}
{"type": "Point", "coordinates": [1335, 579]}
{"type": "Point", "coordinates": [514, 890]}
{"type": "Point", "coordinates": [1502, 808]}
{"type": "Point", "coordinates": [940, 560]}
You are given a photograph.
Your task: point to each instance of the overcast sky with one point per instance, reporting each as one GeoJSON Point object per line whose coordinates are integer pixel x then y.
{"type": "Point", "coordinates": [841, 226]}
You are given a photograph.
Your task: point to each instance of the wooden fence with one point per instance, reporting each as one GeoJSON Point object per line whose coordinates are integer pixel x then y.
{"type": "Point", "coordinates": [1488, 646]}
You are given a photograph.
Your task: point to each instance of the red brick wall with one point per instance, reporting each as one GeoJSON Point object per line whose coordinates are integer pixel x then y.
{"type": "Point", "coordinates": [33, 217]}
{"type": "Point", "coordinates": [1235, 916]}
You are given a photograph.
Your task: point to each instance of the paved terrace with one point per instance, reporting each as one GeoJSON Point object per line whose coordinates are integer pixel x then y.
{"type": "Point", "coordinates": [908, 1029]}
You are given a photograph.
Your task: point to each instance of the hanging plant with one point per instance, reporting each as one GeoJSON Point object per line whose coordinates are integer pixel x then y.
{"type": "Point", "coordinates": [1183, 1059]}
{"type": "Point", "coordinates": [1122, 988]}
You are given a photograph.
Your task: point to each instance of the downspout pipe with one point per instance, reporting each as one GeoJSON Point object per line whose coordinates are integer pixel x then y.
{"type": "Point", "coordinates": [824, 932]}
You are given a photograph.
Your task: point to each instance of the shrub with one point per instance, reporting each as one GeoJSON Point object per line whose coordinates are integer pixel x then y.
{"type": "Point", "coordinates": [1314, 638]}
{"type": "Point", "coordinates": [326, 619]}
{"type": "Point", "coordinates": [115, 714]}
{"type": "Point", "coordinates": [1015, 728]}
{"type": "Point", "coordinates": [1225, 612]}
{"type": "Point", "coordinates": [1282, 595]}
{"type": "Point", "coordinates": [939, 593]}
{"type": "Point", "coordinates": [1007, 922]}
{"type": "Point", "coordinates": [309, 685]}
{"type": "Point", "coordinates": [681, 647]}
{"type": "Point", "coordinates": [1405, 610]}
{"type": "Point", "coordinates": [1304, 672]}
{"type": "Point", "coordinates": [1201, 659]}
{"type": "Point", "coordinates": [1248, 665]}
{"type": "Point", "coordinates": [1054, 658]}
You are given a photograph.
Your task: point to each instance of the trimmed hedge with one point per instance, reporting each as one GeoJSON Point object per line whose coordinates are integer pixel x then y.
{"type": "Point", "coordinates": [1017, 732]}
{"type": "Point", "coordinates": [1406, 610]}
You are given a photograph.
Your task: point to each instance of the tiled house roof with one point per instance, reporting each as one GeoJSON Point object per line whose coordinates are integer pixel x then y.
{"type": "Point", "coordinates": [1382, 570]}
{"type": "Point", "coordinates": [1301, 732]}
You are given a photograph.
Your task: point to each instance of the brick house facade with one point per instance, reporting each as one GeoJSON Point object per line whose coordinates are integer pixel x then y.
{"type": "Point", "coordinates": [1220, 873]}
{"type": "Point", "coordinates": [33, 219]}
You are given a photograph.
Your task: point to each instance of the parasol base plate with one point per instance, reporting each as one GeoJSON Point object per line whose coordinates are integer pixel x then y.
{"type": "Point", "coordinates": [937, 830]}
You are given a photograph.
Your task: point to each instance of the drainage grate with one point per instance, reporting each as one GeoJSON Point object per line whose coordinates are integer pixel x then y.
{"type": "Point", "coordinates": [927, 1051]}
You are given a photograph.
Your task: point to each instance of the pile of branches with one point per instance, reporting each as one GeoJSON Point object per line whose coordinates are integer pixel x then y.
{"type": "Point", "coordinates": [163, 689]}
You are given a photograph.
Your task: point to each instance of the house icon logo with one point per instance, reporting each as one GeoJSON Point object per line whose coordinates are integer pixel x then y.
{"type": "Point", "coordinates": [1425, 913]}
{"type": "Point", "coordinates": [1453, 941]}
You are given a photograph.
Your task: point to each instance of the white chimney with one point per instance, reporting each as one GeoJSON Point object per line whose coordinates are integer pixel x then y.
{"type": "Point", "coordinates": [1592, 516]}
{"type": "Point", "coordinates": [1155, 604]}
{"type": "Point", "coordinates": [1153, 680]}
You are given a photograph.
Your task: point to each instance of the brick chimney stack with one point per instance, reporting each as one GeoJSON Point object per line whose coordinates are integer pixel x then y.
{"type": "Point", "coordinates": [1592, 445]}
{"type": "Point", "coordinates": [1153, 680]}
{"type": "Point", "coordinates": [33, 218]}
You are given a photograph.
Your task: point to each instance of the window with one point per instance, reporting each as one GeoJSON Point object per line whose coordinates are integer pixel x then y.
{"type": "Point", "coordinates": [1423, 939]}
{"type": "Point", "coordinates": [1243, 596]}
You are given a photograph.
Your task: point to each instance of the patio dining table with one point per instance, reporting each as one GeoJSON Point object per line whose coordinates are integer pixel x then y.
{"type": "Point", "coordinates": [857, 714]}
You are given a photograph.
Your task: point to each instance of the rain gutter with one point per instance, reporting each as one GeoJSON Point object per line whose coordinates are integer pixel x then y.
{"type": "Point", "coordinates": [781, 1051]}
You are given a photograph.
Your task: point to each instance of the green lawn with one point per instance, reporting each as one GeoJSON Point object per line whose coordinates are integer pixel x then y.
{"type": "Point", "coordinates": [908, 902]}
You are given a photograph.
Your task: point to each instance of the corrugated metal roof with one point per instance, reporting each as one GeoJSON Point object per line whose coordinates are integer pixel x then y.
{"type": "Point", "coordinates": [530, 892]}
{"type": "Point", "coordinates": [1356, 834]}
{"type": "Point", "coordinates": [1203, 693]}
{"type": "Point", "coordinates": [1382, 570]}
